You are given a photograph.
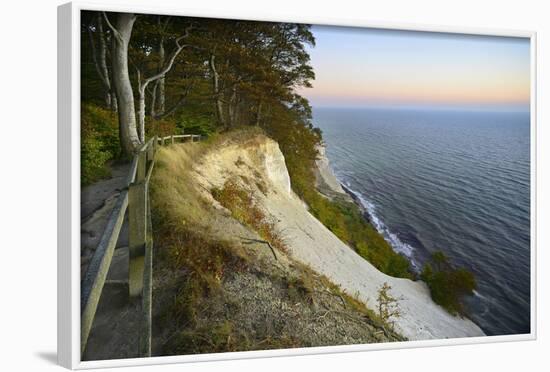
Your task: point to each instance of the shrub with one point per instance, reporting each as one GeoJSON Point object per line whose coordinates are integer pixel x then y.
{"type": "Point", "coordinates": [99, 142]}
{"type": "Point", "coordinates": [448, 285]}
{"type": "Point", "coordinates": [196, 119]}
{"type": "Point", "coordinates": [388, 306]}
{"type": "Point", "coordinates": [93, 160]}
{"type": "Point", "coordinates": [243, 208]}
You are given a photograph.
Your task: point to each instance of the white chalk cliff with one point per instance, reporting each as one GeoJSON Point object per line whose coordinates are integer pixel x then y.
{"type": "Point", "coordinates": [310, 242]}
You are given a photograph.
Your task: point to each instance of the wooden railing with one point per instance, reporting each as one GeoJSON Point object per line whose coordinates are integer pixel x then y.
{"type": "Point", "coordinates": [135, 199]}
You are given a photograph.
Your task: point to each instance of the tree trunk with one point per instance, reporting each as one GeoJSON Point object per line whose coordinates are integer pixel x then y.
{"type": "Point", "coordinates": [141, 113]}
{"type": "Point", "coordinates": [153, 109]}
{"type": "Point", "coordinates": [161, 96]}
{"type": "Point", "coordinates": [102, 62]}
{"type": "Point", "coordinates": [142, 85]}
{"type": "Point", "coordinates": [259, 114]}
{"type": "Point", "coordinates": [122, 31]}
{"type": "Point", "coordinates": [232, 107]}
{"type": "Point", "coordinates": [99, 57]}
{"type": "Point", "coordinates": [216, 85]}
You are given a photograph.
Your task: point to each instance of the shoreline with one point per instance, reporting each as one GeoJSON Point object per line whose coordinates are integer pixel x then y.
{"type": "Point", "coordinates": [328, 172]}
{"type": "Point", "coordinates": [326, 179]}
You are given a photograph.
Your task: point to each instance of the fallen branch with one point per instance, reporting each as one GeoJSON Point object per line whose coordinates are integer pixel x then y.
{"type": "Point", "coordinates": [335, 295]}
{"type": "Point", "coordinates": [251, 241]}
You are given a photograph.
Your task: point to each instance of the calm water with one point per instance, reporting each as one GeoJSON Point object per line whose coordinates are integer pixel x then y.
{"type": "Point", "coordinates": [452, 181]}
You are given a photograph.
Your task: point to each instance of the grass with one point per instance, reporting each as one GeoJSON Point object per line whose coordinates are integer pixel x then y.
{"type": "Point", "coordinates": [186, 252]}
{"type": "Point", "coordinates": [198, 262]}
{"type": "Point", "coordinates": [193, 313]}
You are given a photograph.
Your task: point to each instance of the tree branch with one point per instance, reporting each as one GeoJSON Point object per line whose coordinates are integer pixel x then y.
{"type": "Point", "coordinates": [168, 66]}
{"type": "Point", "coordinates": [113, 29]}
{"type": "Point", "coordinates": [154, 99]}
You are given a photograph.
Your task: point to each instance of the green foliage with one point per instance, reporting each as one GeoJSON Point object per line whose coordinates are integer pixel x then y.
{"type": "Point", "coordinates": [448, 285]}
{"type": "Point", "coordinates": [99, 142]}
{"type": "Point", "coordinates": [196, 119]}
{"type": "Point", "coordinates": [161, 127]}
{"type": "Point", "coordinates": [253, 81]}
{"type": "Point", "coordinates": [93, 160]}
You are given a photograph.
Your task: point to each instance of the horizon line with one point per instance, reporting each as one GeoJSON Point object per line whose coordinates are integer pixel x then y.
{"type": "Point", "coordinates": [423, 108]}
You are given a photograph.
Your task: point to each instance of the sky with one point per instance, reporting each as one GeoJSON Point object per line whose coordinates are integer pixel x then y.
{"type": "Point", "coordinates": [359, 67]}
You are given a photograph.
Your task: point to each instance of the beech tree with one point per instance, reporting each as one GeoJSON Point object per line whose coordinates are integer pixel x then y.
{"type": "Point", "coordinates": [122, 32]}
{"type": "Point", "coordinates": [97, 35]}
{"type": "Point", "coordinates": [195, 71]}
{"type": "Point", "coordinates": [143, 82]}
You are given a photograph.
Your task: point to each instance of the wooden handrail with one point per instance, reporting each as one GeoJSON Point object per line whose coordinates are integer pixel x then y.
{"type": "Point", "coordinates": [192, 137]}
{"type": "Point", "coordinates": [94, 280]}
{"type": "Point", "coordinates": [134, 198]}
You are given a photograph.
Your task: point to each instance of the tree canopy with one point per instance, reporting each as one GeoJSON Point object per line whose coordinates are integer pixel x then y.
{"type": "Point", "coordinates": [199, 74]}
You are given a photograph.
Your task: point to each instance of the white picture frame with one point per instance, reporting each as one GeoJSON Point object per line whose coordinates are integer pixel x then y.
{"type": "Point", "coordinates": [69, 186]}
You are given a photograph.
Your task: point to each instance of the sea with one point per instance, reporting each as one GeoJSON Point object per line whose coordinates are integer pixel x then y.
{"type": "Point", "coordinates": [455, 181]}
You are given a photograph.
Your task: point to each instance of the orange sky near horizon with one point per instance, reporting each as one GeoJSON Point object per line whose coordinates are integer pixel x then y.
{"type": "Point", "coordinates": [366, 67]}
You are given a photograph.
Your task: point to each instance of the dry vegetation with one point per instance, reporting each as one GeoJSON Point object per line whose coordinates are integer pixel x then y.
{"type": "Point", "coordinates": [243, 208]}
{"type": "Point", "coordinates": [218, 288]}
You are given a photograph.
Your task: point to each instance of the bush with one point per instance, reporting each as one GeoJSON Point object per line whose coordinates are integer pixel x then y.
{"type": "Point", "coordinates": [93, 160]}
{"type": "Point", "coordinates": [192, 123]}
{"type": "Point", "coordinates": [243, 208]}
{"type": "Point", "coordinates": [448, 285]}
{"type": "Point", "coordinates": [388, 306]}
{"type": "Point", "coordinates": [99, 142]}
{"type": "Point", "coordinates": [161, 127]}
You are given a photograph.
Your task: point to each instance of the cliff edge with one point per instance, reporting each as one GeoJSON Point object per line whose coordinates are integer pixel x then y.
{"type": "Point", "coordinates": [255, 166]}
{"type": "Point", "coordinates": [314, 245]}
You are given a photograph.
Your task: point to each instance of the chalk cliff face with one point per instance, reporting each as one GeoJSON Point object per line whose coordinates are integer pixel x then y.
{"type": "Point", "coordinates": [313, 244]}
{"type": "Point", "coordinates": [324, 172]}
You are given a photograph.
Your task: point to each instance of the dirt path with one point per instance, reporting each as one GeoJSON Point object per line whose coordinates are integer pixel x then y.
{"type": "Point", "coordinates": [97, 201]}
{"type": "Point", "coordinates": [114, 332]}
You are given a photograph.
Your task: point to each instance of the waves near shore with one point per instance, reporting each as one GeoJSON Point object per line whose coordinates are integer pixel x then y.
{"type": "Point", "coordinates": [369, 211]}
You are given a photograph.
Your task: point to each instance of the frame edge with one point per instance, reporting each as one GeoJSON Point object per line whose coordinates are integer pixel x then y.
{"type": "Point", "coordinates": [64, 186]}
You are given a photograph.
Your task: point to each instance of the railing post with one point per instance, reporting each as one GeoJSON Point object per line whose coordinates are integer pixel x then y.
{"type": "Point", "coordinates": [141, 170]}
{"type": "Point", "coordinates": [151, 152]}
{"type": "Point", "coordinates": [162, 141]}
{"type": "Point", "coordinates": [145, 334]}
{"type": "Point", "coordinates": [137, 220]}
{"type": "Point", "coordinates": [172, 138]}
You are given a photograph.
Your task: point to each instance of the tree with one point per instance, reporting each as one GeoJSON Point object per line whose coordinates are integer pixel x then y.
{"type": "Point", "coordinates": [122, 32]}
{"type": "Point", "coordinates": [388, 306]}
{"type": "Point", "coordinates": [232, 73]}
{"type": "Point", "coordinates": [165, 66]}
{"type": "Point", "coordinates": [94, 29]}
